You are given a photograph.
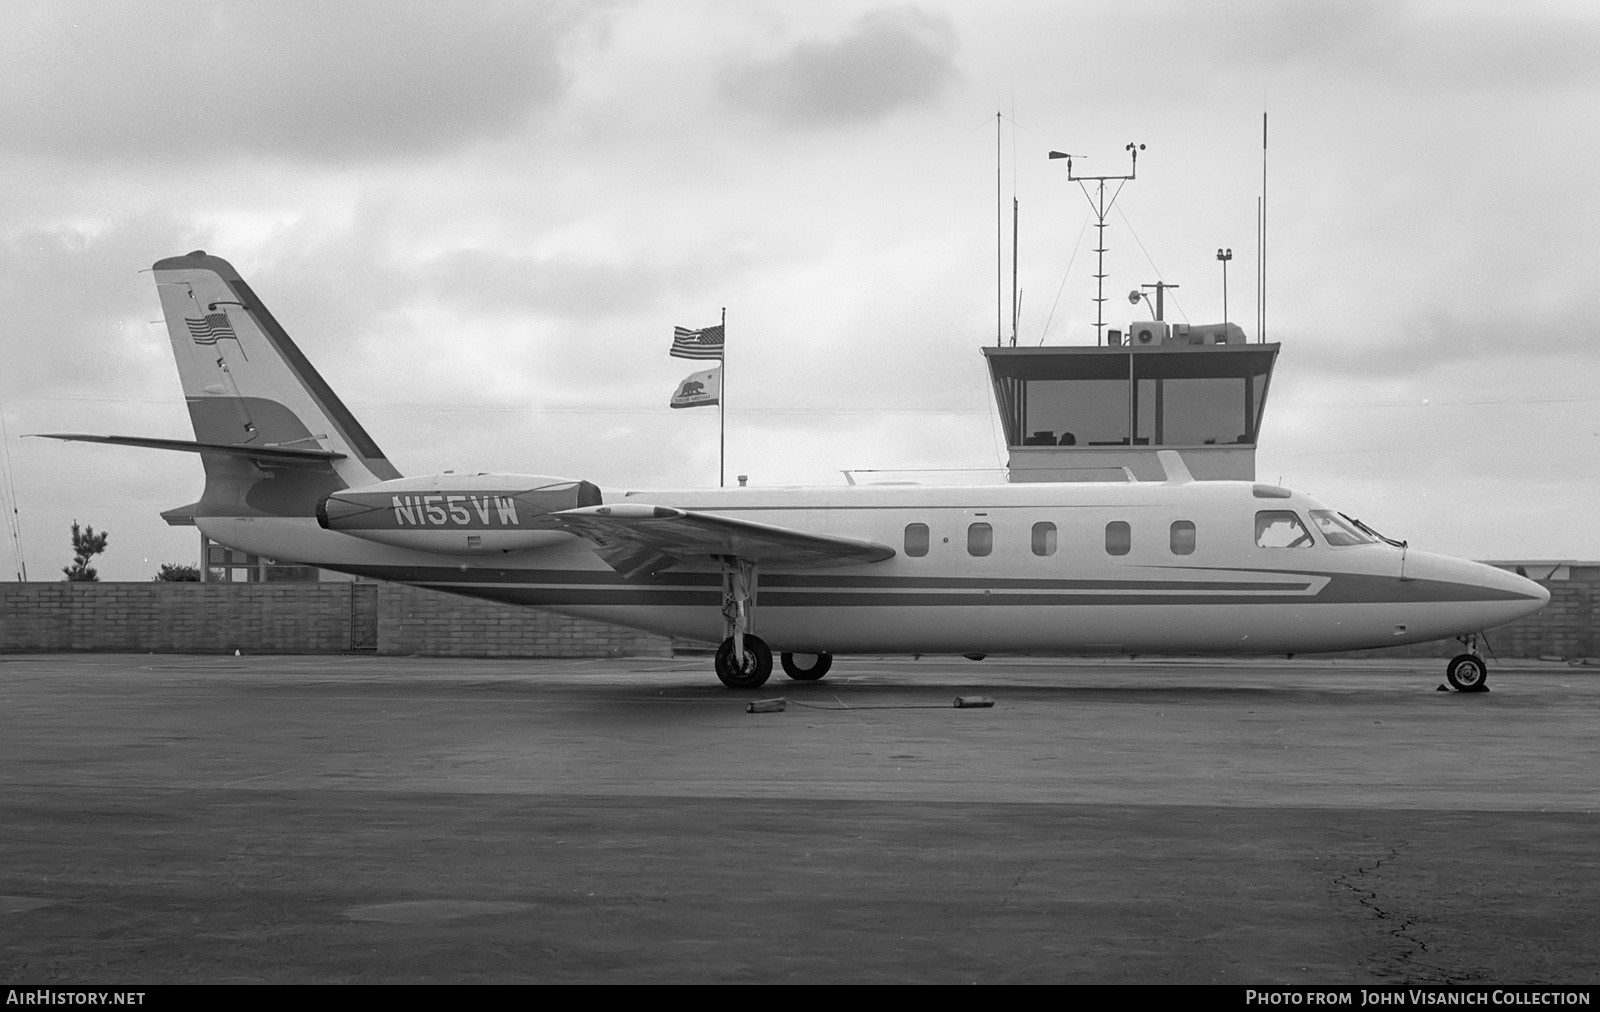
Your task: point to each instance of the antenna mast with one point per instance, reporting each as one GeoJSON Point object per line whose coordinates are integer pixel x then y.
{"type": "Point", "coordinates": [1016, 306]}
{"type": "Point", "coordinates": [1101, 208]}
{"type": "Point", "coordinates": [1261, 256]}
{"type": "Point", "coordinates": [999, 244]}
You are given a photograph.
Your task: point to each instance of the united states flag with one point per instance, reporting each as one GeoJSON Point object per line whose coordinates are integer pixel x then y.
{"type": "Point", "coordinates": [215, 327]}
{"type": "Point", "coordinates": [705, 343]}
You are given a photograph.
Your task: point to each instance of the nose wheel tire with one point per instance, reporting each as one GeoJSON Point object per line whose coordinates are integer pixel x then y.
{"type": "Point", "coordinates": [744, 669]}
{"type": "Point", "coordinates": [806, 667]}
{"type": "Point", "coordinates": [1468, 673]}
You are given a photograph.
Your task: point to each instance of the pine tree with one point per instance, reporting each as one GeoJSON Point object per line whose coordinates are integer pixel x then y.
{"type": "Point", "coordinates": [86, 544]}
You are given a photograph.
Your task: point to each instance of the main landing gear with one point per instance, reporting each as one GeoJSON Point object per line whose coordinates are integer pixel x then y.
{"type": "Point", "coordinates": [806, 667]}
{"type": "Point", "coordinates": [1468, 672]}
{"type": "Point", "coordinates": [744, 661]}
{"type": "Point", "coordinates": [749, 669]}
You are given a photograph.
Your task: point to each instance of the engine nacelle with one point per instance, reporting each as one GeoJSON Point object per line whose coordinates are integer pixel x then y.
{"type": "Point", "coordinates": [458, 514]}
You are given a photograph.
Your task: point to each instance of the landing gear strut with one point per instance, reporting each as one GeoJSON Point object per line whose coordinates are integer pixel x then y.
{"type": "Point", "coordinates": [743, 660]}
{"type": "Point", "coordinates": [1468, 672]}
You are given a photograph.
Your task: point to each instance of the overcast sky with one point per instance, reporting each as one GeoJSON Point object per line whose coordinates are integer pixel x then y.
{"type": "Point", "coordinates": [481, 222]}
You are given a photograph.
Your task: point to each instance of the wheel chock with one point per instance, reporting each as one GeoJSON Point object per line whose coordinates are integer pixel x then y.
{"type": "Point", "coordinates": [1442, 688]}
{"type": "Point", "coordinates": [973, 702]}
{"type": "Point", "coordinates": [766, 705]}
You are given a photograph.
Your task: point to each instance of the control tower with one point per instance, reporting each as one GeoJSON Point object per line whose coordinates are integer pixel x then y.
{"type": "Point", "coordinates": [1101, 413]}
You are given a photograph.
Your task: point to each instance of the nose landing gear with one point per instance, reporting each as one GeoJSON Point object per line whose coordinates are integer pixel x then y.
{"type": "Point", "coordinates": [1468, 672]}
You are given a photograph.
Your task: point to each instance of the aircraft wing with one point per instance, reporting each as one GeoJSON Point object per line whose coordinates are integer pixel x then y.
{"type": "Point", "coordinates": [634, 538]}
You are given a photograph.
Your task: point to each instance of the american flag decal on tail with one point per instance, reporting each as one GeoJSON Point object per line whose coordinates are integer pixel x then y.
{"type": "Point", "coordinates": [215, 327]}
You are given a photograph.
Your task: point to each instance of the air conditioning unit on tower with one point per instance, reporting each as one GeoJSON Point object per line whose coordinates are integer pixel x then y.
{"type": "Point", "coordinates": [1147, 333]}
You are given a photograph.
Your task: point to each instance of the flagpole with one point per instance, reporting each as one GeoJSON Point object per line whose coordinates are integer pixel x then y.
{"type": "Point", "coordinates": [722, 407]}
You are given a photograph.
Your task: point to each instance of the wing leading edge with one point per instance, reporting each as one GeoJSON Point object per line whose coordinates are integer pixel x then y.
{"type": "Point", "coordinates": [635, 539]}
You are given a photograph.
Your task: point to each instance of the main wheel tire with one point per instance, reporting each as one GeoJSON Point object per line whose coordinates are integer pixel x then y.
{"type": "Point", "coordinates": [1468, 673]}
{"type": "Point", "coordinates": [819, 667]}
{"type": "Point", "coordinates": [749, 671]}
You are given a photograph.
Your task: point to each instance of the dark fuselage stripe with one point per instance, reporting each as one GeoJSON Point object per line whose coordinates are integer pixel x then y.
{"type": "Point", "coordinates": [554, 588]}
{"type": "Point", "coordinates": [552, 598]}
{"type": "Point", "coordinates": [555, 597]}
{"type": "Point", "coordinates": [554, 578]}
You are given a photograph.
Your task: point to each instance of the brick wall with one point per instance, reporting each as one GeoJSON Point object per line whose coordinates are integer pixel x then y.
{"type": "Point", "coordinates": [298, 618]}
{"type": "Point", "coordinates": [175, 617]}
{"type": "Point", "coordinates": [412, 620]}
{"type": "Point", "coordinates": [292, 618]}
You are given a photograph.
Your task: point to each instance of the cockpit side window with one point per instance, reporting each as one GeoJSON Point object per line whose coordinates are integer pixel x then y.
{"type": "Point", "coordinates": [1281, 529]}
{"type": "Point", "coordinates": [1338, 531]}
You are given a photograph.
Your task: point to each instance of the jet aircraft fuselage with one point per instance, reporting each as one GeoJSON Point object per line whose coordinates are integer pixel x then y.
{"type": "Point", "coordinates": [1176, 566]}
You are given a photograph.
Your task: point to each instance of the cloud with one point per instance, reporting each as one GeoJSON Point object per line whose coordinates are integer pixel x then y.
{"type": "Point", "coordinates": [1441, 50]}
{"type": "Point", "coordinates": [554, 287]}
{"type": "Point", "coordinates": [1138, 55]}
{"type": "Point", "coordinates": [306, 80]}
{"type": "Point", "coordinates": [889, 60]}
{"type": "Point", "coordinates": [80, 309]}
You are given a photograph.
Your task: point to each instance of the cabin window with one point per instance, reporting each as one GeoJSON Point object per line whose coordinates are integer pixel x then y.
{"type": "Point", "coordinates": [980, 539]}
{"type": "Point", "coordinates": [1044, 538]}
{"type": "Point", "coordinates": [1182, 536]}
{"type": "Point", "coordinates": [916, 540]}
{"type": "Point", "coordinates": [1281, 529]}
{"type": "Point", "coordinates": [1336, 530]}
{"type": "Point", "coordinates": [1119, 538]}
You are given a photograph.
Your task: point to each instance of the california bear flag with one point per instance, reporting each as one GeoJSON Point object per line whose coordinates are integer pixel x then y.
{"type": "Point", "coordinates": [699, 389]}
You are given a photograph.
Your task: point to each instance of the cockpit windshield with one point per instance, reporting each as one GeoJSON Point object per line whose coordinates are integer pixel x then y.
{"type": "Point", "coordinates": [1336, 530]}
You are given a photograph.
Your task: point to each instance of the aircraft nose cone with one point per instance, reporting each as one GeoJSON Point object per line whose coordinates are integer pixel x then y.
{"type": "Point", "coordinates": [1544, 592]}
{"type": "Point", "coordinates": [1516, 595]}
{"type": "Point", "coordinates": [1534, 596]}
{"type": "Point", "coordinates": [1482, 595]}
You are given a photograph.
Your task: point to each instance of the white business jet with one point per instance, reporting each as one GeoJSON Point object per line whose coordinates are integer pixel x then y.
{"type": "Point", "coordinates": [1140, 567]}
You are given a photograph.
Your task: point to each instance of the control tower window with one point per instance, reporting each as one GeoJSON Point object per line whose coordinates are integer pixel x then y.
{"type": "Point", "coordinates": [916, 540]}
{"type": "Point", "coordinates": [1281, 529]}
{"type": "Point", "coordinates": [1169, 395]}
{"type": "Point", "coordinates": [1192, 412]}
{"type": "Point", "coordinates": [1093, 411]}
{"type": "Point", "coordinates": [1203, 401]}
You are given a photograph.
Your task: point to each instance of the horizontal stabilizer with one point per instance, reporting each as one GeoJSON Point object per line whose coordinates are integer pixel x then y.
{"type": "Point", "coordinates": [279, 454]}
{"type": "Point", "coordinates": [635, 538]}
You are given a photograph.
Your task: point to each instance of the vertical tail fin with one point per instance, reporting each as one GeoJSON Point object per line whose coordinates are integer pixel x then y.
{"type": "Point", "coordinates": [246, 382]}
